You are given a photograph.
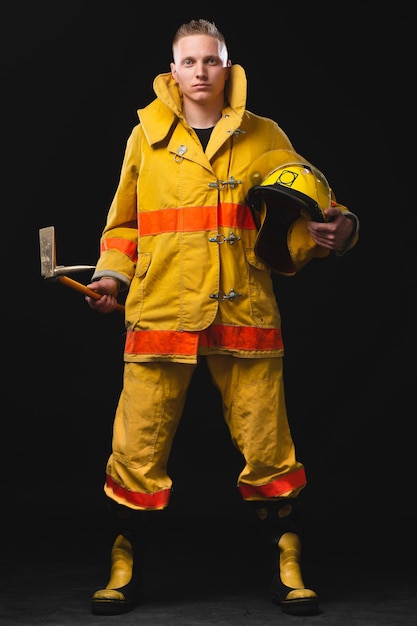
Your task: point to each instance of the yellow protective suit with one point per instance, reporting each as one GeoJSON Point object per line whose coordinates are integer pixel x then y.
{"type": "Point", "coordinates": [180, 237]}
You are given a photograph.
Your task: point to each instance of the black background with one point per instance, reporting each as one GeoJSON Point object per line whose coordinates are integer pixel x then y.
{"type": "Point", "coordinates": [338, 79]}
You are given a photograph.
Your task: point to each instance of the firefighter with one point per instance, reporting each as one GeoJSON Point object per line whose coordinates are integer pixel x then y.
{"type": "Point", "coordinates": [188, 238]}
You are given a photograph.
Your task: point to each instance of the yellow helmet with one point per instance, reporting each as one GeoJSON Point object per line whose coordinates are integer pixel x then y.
{"type": "Point", "coordinates": [288, 191]}
{"type": "Point", "coordinates": [292, 188]}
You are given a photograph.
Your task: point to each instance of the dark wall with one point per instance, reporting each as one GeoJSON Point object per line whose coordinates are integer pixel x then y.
{"type": "Point", "coordinates": [338, 81]}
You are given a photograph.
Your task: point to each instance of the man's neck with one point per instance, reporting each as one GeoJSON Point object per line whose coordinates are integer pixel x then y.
{"type": "Point", "coordinates": [202, 115]}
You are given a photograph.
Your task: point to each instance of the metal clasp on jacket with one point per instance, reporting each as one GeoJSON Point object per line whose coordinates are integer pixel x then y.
{"type": "Point", "coordinates": [178, 156]}
{"type": "Point", "coordinates": [221, 239]}
{"type": "Point", "coordinates": [221, 184]}
{"type": "Point", "coordinates": [220, 295]}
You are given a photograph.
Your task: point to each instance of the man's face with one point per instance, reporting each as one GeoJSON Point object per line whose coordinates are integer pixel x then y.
{"type": "Point", "coordinates": [200, 68]}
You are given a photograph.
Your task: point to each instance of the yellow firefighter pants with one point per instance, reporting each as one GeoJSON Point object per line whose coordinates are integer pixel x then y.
{"type": "Point", "coordinates": [149, 411]}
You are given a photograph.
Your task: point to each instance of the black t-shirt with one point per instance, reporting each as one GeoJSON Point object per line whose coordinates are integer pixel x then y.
{"type": "Point", "coordinates": [204, 135]}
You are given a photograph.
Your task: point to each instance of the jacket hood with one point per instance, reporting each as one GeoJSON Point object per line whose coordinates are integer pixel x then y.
{"type": "Point", "coordinates": [167, 107]}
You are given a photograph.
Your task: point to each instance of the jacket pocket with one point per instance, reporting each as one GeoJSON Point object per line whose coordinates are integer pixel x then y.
{"type": "Point", "coordinates": [136, 295]}
{"type": "Point", "coordinates": [263, 305]}
{"type": "Point", "coordinates": [142, 265]}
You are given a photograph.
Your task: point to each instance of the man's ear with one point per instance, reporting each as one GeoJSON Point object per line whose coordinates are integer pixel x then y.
{"type": "Point", "coordinates": [173, 71]}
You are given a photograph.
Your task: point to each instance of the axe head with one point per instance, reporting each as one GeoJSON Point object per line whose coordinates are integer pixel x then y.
{"type": "Point", "coordinates": [48, 251]}
{"type": "Point", "coordinates": [49, 268]}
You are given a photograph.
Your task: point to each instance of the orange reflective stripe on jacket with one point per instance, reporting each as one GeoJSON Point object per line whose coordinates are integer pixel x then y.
{"type": "Point", "coordinates": [193, 219]}
{"type": "Point", "coordinates": [122, 245]}
{"type": "Point", "coordinates": [162, 342]}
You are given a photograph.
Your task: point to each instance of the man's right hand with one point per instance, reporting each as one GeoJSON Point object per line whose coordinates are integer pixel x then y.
{"type": "Point", "coordinates": [109, 290]}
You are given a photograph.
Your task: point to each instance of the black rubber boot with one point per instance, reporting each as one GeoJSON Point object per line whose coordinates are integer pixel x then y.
{"type": "Point", "coordinates": [123, 591]}
{"type": "Point", "coordinates": [280, 531]}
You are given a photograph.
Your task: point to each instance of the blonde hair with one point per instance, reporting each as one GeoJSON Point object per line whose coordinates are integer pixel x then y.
{"type": "Point", "coordinates": [199, 27]}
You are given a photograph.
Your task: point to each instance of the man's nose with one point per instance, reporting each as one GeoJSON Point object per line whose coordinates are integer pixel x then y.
{"type": "Point", "coordinates": [200, 69]}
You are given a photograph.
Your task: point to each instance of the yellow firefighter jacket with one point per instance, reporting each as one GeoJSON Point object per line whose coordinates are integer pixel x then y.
{"type": "Point", "coordinates": [180, 236]}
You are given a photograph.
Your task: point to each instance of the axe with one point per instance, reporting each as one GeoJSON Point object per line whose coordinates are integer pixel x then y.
{"type": "Point", "coordinates": [49, 268]}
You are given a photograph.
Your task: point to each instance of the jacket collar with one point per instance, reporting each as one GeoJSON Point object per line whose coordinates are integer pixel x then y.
{"type": "Point", "coordinates": [162, 113]}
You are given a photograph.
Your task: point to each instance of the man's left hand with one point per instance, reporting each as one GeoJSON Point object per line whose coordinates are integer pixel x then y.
{"type": "Point", "coordinates": [335, 232]}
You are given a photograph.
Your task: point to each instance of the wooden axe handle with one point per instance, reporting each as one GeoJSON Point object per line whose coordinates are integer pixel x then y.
{"type": "Point", "coordinates": [69, 282]}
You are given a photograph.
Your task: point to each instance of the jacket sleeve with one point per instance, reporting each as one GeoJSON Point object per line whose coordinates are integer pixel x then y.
{"type": "Point", "coordinates": [118, 243]}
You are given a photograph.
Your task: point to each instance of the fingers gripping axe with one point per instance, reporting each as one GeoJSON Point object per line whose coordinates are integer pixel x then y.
{"type": "Point", "coordinates": [50, 270]}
